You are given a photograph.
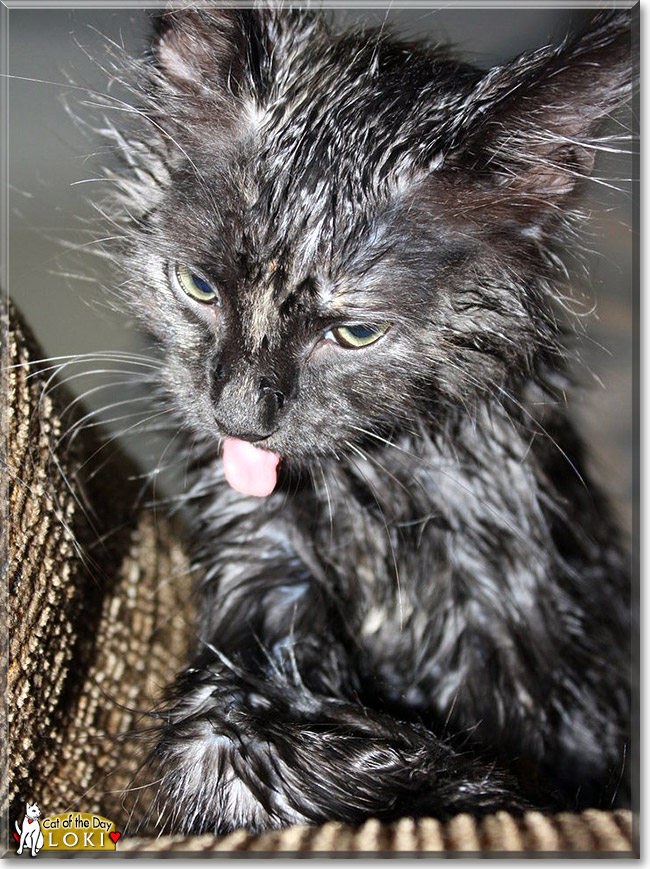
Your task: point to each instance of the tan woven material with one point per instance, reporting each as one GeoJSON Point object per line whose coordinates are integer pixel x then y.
{"type": "Point", "coordinates": [97, 606]}
{"type": "Point", "coordinates": [98, 603]}
{"type": "Point", "coordinates": [590, 831]}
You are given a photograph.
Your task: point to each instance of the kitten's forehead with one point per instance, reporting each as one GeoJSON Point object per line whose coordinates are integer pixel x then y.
{"type": "Point", "coordinates": [335, 135]}
{"type": "Point", "coordinates": [260, 321]}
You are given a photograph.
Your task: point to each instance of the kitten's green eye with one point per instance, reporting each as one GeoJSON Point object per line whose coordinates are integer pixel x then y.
{"type": "Point", "coordinates": [194, 285]}
{"type": "Point", "coordinates": [357, 335]}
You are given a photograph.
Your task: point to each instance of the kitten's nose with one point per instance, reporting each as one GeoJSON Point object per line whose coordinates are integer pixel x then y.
{"type": "Point", "coordinates": [247, 408]}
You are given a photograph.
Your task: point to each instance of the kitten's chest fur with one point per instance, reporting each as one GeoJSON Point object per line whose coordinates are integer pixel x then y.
{"type": "Point", "coordinates": [443, 562]}
{"type": "Point", "coordinates": [433, 549]}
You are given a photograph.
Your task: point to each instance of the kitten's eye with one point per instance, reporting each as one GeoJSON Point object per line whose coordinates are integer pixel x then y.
{"type": "Point", "coordinates": [358, 335]}
{"type": "Point", "coordinates": [193, 285]}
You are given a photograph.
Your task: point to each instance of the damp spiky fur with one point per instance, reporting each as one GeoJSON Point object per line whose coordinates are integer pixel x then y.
{"type": "Point", "coordinates": [430, 614]}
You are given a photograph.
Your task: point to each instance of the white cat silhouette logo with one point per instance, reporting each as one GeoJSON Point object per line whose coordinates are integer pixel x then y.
{"type": "Point", "coordinates": [30, 832]}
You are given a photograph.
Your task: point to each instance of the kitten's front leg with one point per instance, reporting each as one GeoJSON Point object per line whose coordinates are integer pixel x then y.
{"type": "Point", "coordinates": [268, 733]}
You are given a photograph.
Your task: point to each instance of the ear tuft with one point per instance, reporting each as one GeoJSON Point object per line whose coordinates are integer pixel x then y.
{"type": "Point", "coordinates": [534, 126]}
{"type": "Point", "coordinates": [198, 49]}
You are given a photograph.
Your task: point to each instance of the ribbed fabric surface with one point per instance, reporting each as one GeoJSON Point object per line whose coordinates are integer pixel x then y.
{"type": "Point", "coordinates": [97, 602]}
{"type": "Point", "coordinates": [589, 831]}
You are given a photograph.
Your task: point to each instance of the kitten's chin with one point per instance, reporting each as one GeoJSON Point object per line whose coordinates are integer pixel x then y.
{"type": "Point", "coordinates": [249, 469]}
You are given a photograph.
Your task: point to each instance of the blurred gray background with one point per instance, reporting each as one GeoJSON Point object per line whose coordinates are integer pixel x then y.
{"type": "Point", "coordinates": [51, 167]}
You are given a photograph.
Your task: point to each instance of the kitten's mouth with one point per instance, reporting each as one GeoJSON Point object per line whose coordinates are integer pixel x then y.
{"type": "Point", "coordinates": [249, 469]}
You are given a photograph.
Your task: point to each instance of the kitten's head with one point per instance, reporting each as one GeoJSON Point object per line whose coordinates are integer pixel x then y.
{"type": "Point", "coordinates": [337, 233]}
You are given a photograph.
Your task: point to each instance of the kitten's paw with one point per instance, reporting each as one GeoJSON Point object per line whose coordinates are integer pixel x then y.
{"type": "Point", "coordinates": [210, 781]}
{"type": "Point", "coordinates": [239, 762]}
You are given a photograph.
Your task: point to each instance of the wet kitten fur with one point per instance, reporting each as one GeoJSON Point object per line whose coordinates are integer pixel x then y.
{"type": "Point", "coordinates": [431, 612]}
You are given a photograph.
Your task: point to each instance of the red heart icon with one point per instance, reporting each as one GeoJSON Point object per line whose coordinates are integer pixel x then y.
{"type": "Point", "coordinates": [17, 837]}
{"type": "Point", "coordinates": [115, 836]}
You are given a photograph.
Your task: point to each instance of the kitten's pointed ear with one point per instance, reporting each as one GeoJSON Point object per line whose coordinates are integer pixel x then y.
{"type": "Point", "coordinates": [207, 64]}
{"type": "Point", "coordinates": [205, 49]}
{"type": "Point", "coordinates": [533, 125]}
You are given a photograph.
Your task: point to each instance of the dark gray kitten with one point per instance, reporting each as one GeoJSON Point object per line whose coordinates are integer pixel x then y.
{"type": "Point", "coordinates": [349, 249]}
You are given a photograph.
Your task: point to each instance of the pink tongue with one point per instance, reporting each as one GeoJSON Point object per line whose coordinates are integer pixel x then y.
{"type": "Point", "coordinates": [249, 469]}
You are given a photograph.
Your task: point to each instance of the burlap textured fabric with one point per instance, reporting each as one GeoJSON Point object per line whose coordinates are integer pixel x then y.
{"type": "Point", "coordinates": [98, 609]}
{"type": "Point", "coordinates": [97, 601]}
